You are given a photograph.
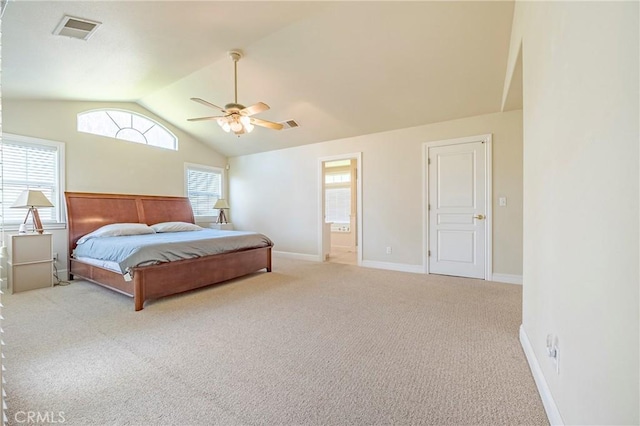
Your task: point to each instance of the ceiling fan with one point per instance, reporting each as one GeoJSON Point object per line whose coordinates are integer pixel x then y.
{"type": "Point", "coordinates": [237, 118]}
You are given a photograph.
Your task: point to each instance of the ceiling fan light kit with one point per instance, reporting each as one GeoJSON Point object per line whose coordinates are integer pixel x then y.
{"type": "Point", "coordinates": [237, 118]}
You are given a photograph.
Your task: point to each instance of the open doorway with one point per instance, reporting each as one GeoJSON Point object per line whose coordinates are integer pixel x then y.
{"type": "Point", "coordinates": [340, 204]}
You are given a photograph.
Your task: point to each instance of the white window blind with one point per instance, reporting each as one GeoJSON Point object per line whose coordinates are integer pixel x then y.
{"type": "Point", "coordinates": [27, 165]}
{"type": "Point", "coordinates": [204, 188]}
{"type": "Point", "coordinates": [338, 205]}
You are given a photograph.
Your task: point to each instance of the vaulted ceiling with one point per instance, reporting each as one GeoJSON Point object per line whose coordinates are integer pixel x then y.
{"type": "Point", "coordinates": [339, 69]}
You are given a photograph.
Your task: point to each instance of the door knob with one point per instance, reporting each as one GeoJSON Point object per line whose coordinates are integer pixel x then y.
{"type": "Point", "coordinates": [479, 217]}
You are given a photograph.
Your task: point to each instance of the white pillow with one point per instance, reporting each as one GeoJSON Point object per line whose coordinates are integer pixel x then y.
{"type": "Point", "coordinates": [175, 227]}
{"type": "Point", "coordinates": [118, 229]}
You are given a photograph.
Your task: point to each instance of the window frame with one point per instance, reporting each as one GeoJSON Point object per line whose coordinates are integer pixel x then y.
{"type": "Point", "coordinates": [59, 203]}
{"type": "Point", "coordinates": [205, 168]}
{"type": "Point", "coordinates": [338, 170]}
{"type": "Point", "coordinates": [155, 122]}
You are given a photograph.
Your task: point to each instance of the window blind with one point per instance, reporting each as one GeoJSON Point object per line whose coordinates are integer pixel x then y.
{"type": "Point", "coordinates": [29, 166]}
{"type": "Point", "coordinates": [204, 188]}
{"type": "Point", "coordinates": [338, 205]}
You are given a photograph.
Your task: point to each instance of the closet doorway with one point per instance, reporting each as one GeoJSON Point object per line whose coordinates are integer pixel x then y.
{"type": "Point", "coordinates": [340, 196]}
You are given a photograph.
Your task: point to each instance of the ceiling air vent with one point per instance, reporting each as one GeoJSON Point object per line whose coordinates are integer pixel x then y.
{"type": "Point", "coordinates": [289, 124]}
{"type": "Point", "coordinates": [76, 28]}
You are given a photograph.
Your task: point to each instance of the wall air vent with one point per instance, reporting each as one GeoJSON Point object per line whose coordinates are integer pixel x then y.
{"type": "Point", "coordinates": [289, 124]}
{"type": "Point", "coordinates": [76, 28]}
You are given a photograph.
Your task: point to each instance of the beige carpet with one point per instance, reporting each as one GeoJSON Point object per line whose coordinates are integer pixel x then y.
{"type": "Point", "coordinates": [308, 344]}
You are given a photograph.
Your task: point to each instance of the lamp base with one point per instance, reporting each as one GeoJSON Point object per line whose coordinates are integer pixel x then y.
{"type": "Point", "coordinates": [222, 218]}
{"type": "Point", "coordinates": [37, 224]}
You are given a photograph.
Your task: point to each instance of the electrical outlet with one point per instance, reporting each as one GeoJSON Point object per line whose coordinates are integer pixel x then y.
{"type": "Point", "coordinates": [389, 250]}
{"type": "Point", "coordinates": [55, 257]}
{"type": "Point", "coordinates": [553, 351]}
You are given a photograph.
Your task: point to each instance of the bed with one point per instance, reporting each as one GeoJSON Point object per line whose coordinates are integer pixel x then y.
{"type": "Point", "coordinates": [88, 212]}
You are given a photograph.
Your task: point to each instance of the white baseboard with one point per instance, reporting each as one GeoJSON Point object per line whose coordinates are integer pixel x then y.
{"type": "Point", "coordinates": [507, 278]}
{"type": "Point", "coordinates": [297, 256]}
{"type": "Point", "coordinates": [402, 267]}
{"type": "Point", "coordinates": [543, 388]}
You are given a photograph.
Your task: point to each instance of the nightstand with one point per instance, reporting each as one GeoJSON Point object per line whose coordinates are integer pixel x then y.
{"type": "Point", "coordinates": [30, 262]}
{"type": "Point", "coordinates": [222, 226]}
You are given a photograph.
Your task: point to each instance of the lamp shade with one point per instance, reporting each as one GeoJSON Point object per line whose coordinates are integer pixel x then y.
{"type": "Point", "coordinates": [30, 198]}
{"type": "Point", "coordinates": [221, 204]}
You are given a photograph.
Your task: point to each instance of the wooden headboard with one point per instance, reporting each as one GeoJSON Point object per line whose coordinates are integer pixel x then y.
{"type": "Point", "coordinates": [89, 211]}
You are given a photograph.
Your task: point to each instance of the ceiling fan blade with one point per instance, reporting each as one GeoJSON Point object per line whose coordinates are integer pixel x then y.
{"type": "Point", "coordinates": [209, 104]}
{"type": "Point", "coordinates": [265, 123]}
{"type": "Point", "coordinates": [254, 109]}
{"type": "Point", "coordinates": [204, 118]}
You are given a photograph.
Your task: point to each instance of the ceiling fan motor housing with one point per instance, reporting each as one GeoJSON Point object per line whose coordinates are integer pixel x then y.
{"type": "Point", "coordinates": [233, 107]}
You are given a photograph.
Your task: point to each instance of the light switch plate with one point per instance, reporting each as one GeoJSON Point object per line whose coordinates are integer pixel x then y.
{"type": "Point", "coordinates": [502, 201]}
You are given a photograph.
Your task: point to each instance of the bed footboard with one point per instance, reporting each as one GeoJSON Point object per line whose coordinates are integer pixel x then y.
{"type": "Point", "coordinates": [153, 282]}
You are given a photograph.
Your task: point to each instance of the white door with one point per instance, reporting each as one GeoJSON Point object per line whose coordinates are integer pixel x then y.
{"type": "Point", "coordinates": [457, 222]}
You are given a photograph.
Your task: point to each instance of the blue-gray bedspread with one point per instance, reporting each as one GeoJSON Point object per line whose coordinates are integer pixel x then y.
{"type": "Point", "coordinates": [142, 250]}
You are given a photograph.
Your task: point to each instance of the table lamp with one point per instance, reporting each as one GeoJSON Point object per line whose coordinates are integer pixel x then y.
{"type": "Point", "coordinates": [221, 204]}
{"type": "Point", "coordinates": [31, 200]}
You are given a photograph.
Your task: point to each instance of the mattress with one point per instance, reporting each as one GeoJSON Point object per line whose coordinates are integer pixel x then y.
{"type": "Point", "coordinates": [105, 264]}
{"type": "Point", "coordinates": [130, 251]}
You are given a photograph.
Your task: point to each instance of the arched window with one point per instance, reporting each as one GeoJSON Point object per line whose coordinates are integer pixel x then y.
{"type": "Point", "coordinates": [128, 126]}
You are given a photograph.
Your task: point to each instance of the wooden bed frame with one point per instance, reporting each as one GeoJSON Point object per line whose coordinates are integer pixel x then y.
{"type": "Point", "coordinates": [89, 211]}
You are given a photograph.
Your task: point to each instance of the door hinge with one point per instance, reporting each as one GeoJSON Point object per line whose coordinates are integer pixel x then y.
{"type": "Point", "coordinates": [428, 160]}
{"type": "Point", "coordinates": [429, 253]}
{"type": "Point", "coordinates": [429, 208]}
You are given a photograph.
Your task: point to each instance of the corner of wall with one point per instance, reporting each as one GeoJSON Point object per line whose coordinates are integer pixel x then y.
{"type": "Point", "coordinates": [515, 46]}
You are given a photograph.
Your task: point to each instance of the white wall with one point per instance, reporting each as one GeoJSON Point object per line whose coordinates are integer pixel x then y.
{"type": "Point", "coordinates": [277, 192]}
{"type": "Point", "coordinates": [581, 195]}
{"type": "Point", "coordinates": [100, 164]}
